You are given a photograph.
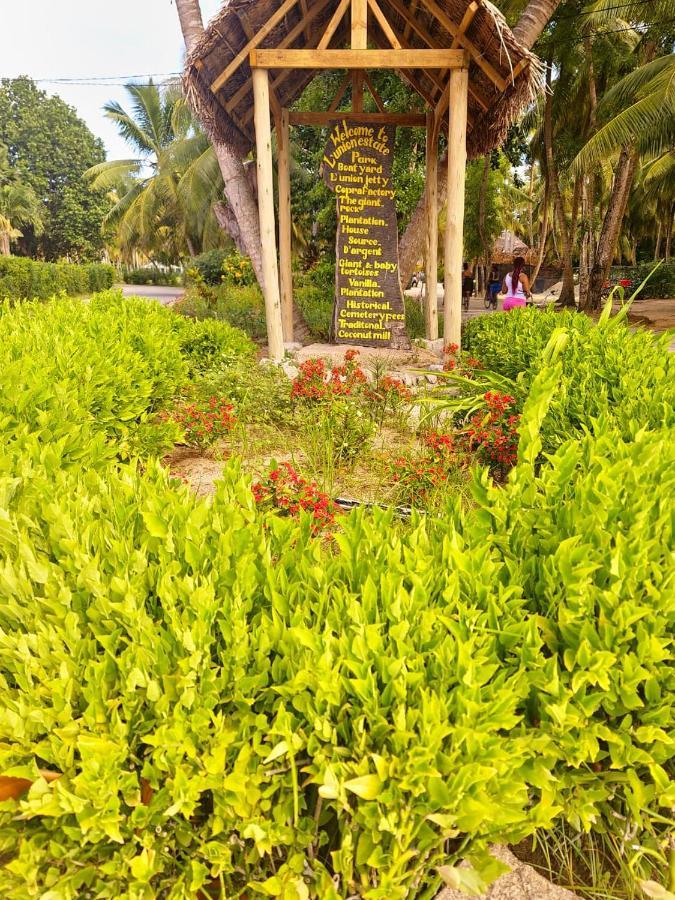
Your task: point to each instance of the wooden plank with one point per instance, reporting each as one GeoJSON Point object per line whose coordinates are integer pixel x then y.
{"type": "Point", "coordinates": [358, 59]}
{"type": "Point", "coordinates": [305, 19]}
{"type": "Point", "coordinates": [373, 93]}
{"type": "Point", "coordinates": [441, 16]}
{"type": "Point", "coordinates": [464, 25]}
{"type": "Point", "coordinates": [519, 67]}
{"type": "Point", "coordinates": [422, 33]}
{"type": "Point", "coordinates": [332, 26]}
{"type": "Point", "coordinates": [342, 90]}
{"type": "Point", "coordinates": [268, 238]}
{"type": "Point", "coordinates": [359, 24]}
{"type": "Point", "coordinates": [389, 32]}
{"type": "Point", "coordinates": [431, 256]}
{"type": "Point", "coordinates": [454, 224]}
{"type": "Point", "coordinates": [294, 33]}
{"type": "Point", "coordinates": [285, 257]}
{"type": "Point", "coordinates": [409, 120]}
{"type": "Point", "coordinates": [258, 38]}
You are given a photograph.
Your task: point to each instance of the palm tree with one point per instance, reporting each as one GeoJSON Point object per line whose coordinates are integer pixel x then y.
{"type": "Point", "coordinates": [153, 213]}
{"type": "Point", "coordinates": [639, 122]}
{"type": "Point", "coordinates": [19, 206]}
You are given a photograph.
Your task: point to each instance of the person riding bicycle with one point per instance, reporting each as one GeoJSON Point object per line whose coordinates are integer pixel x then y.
{"type": "Point", "coordinates": [516, 286]}
{"type": "Point", "coordinates": [467, 284]}
{"type": "Point", "coordinates": [494, 285]}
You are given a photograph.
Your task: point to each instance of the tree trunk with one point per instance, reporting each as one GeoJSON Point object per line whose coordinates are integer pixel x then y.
{"type": "Point", "coordinates": [411, 246]}
{"type": "Point", "coordinates": [543, 234]}
{"type": "Point", "coordinates": [534, 19]}
{"type": "Point", "coordinates": [611, 226]}
{"type": "Point", "coordinates": [588, 235]}
{"type": "Point", "coordinates": [566, 234]}
{"type": "Point", "coordinates": [669, 232]}
{"type": "Point", "coordinates": [4, 243]}
{"type": "Point", "coordinates": [244, 226]}
{"type": "Point", "coordinates": [485, 251]}
{"type": "Point", "coordinates": [657, 248]}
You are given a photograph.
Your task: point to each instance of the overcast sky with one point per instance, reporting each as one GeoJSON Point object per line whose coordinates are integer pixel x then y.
{"type": "Point", "coordinates": [81, 39]}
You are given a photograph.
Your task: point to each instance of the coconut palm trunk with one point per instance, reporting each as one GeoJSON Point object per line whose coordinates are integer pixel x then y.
{"type": "Point", "coordinates": [243, 224]}
{"type": "Point", "coordinates": [624, 176]}
{"type": "Point", "coordinates": [532, 22]}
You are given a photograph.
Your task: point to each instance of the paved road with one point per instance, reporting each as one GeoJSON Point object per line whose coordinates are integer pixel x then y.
{"type": "Point", "coordinates": [165, 295]}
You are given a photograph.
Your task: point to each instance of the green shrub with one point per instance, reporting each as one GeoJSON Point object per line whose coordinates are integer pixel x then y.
{"type": "Point", "coordinates": [609, 374]}
{"type": "Point", "coordinates": [210, 265]}
{"type": "Point", "coordinates": [22, 278]}
{"type": "Point", "coordinates": [150, 276]}
{"type": "Point", "coordinates": [209, 345]}
{"type": "Point", "coordinates": [660, 284]}
{"type": "Point", "coordinates": [360, 714]}
{"type": "Point", "coordinates": [238, 270]}
{"type": "Point", "coordinates": [316, 307]}
{"type": "Point", "coordinates": [241, 307]}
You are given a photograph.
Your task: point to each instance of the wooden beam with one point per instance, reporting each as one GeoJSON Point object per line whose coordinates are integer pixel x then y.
{"type": "Point", "coordinates": [467, 19]}
{"type": "Point", "coordinates": [447, 23]}
{"type": "Point", "coordinates": [342, 90]}
{"type": "Point", "coordinates": [357, 90]}
{"type": "Point", "coordinates": [268, 240]}
{"type": "Point", "coordinates": [373, 93]}
{"type": "Point", "coordinates": [454, 225]}
{"type": "Point", "coordinates": [519, 67]}
{"type": "Point", "coordinates": [359, 24]}
{"type": "Point", "coordinates": [389, 32]}
{"type": "Point", "coordinates": [409, 120]}
{"type": "Point", "coordinates": [358, 59]}
{"type": "Point", "coordinates": [295, 32]}
{"type": "Point", "coordinates": [431, 258]}
{"type": "Point", "coordinates": [258, 38]}
{"type": "Point", "coordinates": [285, 258]}
{"type": "Point", "coordinates": [422, 33]}
{"type": "Point", "coordinates": [305, 20]}
{"type": "Point", "coordinates": [413, 10]}
{"type": "Point", "coordinates": [332, 26]}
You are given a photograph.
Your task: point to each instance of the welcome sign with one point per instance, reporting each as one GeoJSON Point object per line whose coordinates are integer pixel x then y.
{"type": "Point", "coordinates": [357, 166]}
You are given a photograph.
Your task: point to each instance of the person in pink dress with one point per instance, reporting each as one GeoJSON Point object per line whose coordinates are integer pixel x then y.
{"type": "Point", "coordinates": [516, 286]}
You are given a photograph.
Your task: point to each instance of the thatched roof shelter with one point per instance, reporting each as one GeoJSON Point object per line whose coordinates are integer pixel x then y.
{"type": "Point", "coordinates": [503, 77]}
{"type": "Point", "coordinates": [507, 246]}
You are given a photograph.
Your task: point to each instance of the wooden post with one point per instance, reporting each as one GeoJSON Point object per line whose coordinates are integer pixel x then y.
{"type": "Point", "coordinates": [263, 139]}
{"type": "Point", "coordinates": [431, 269]}
{"type": "Point", "coordinates": [359, 24]}
{"type": "Point", "coordinates": [454, 229]}
{"type": "Point", "coordinates": [285, 261]}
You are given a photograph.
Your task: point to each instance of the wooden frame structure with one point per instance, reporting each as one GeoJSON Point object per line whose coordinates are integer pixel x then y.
{"type": "Point", "coordinates": [424, 44]}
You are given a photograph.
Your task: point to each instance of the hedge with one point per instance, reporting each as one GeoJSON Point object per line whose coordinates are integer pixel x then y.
{"type": "Point", "coordinates": [22, 278]}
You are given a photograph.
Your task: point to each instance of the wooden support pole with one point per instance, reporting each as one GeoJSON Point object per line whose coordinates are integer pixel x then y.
{"type": "Point", "coordinates": [285, 260]}
{"type": "Point", "coordinates": [431, 268]}
{"type": "Point", "coordinates": [263, 138]}
{"type": "Point", "coordinates": [454, 228]}
{"type": "Point", "coordinates": [359, 24]}
{"type": "Point", "coordinates": [357, 90]}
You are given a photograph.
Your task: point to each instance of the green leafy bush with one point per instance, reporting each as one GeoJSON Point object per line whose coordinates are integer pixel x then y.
{"type": "Point", "coordinates": [210, 265]}
{"type": "Point", "coordinates": [316, 307]}
{"type": "Point", "coordinates": [238, 270]}
{"type": "Point", "coordinates": [209, 344]}
{"type": "Point", "coordinates": [241, 307]}
{"type": "Point", "coordinates": [150, 276]}
{"type": "Point", "coordinates": [660, 283]}
{"type": "Point", "coordinates": [22, 278]}
{"type": "Point", "coordinates": [610, 374]}
{"type": "Point", "coordinates": [232, 705]}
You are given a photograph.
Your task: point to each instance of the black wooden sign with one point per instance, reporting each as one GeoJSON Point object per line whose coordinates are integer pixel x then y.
{"type": "Point", "coordinates": [369, 306]}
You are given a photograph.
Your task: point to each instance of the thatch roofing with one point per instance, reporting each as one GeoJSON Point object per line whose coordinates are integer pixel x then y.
{"type": "Point", "coordinates": [507, 246]}
{"type": "Point", "coordinates": [227, 113]}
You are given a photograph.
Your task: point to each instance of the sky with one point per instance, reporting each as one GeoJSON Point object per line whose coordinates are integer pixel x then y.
{"type": "Point", "coordinates": [85, 39]}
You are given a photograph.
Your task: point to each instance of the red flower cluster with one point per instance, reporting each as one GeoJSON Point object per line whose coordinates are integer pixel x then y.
{"type": "Point", "coordinates": [205, 422]}
{"type": "Point", "coordinates": [494, 436]}
{"type": "Point", "coordinates": [420, 475]}
{"type": "Point", "coordinates": [454, 360]}
{"type": "Point", "coordinates": [285, 490]}
{"type": "Point", "coordinates": [316, 382]}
